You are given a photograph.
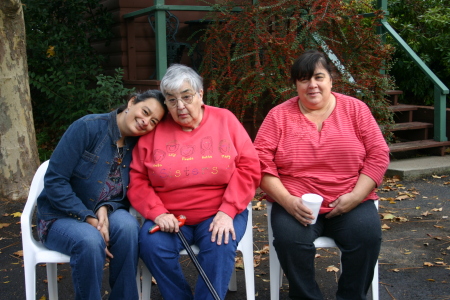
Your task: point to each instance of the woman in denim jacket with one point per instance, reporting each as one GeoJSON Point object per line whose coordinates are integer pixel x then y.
{"type": "Point", "coordinates": [83, 209]}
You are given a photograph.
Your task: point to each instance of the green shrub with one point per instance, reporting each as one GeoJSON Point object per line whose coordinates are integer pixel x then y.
{"type": "Point", "coordinates": [425, 26]}
{"type": "Point", "coordinates": [66, 76]}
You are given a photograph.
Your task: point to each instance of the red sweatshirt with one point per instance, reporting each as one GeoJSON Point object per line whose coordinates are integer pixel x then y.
{"type": "Point", "coordinates": [328, 162]}
{"type": "Point", "coordinates": [194, 173]}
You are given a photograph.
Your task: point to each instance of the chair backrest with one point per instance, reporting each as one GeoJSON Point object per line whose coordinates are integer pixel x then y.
{"type": "Point", "coordinates": [37, 185]}
{"type": "Point", "coordinates": [172, 24]}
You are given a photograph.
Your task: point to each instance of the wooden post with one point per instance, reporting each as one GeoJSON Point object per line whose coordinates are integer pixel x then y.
{"type": "Point", "coordinates": [160, 40]}
{"type": "Point", "coordinates": [131, 49]}
{"type": "Point", "coordinates": [439, 115]}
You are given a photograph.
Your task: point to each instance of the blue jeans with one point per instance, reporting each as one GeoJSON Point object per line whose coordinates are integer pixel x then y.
{"type": "Point", "coordinates": [356, 233]}
{"type": "Point", "coordinates": [160, 252]}
{"type": "Point", "coordinates": [86, 248]}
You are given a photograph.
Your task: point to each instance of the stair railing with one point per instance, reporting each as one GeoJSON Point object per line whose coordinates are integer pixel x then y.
{"type": "Point", "coordinates": [440, 90]}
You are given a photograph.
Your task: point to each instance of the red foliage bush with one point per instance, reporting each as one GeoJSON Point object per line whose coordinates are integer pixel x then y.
{"type": "Point", "coordinates": [248, 54]}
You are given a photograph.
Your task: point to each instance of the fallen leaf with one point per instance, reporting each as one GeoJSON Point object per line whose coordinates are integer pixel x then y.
{"type": "Point", "coordinates": [432, 280]}
{"type": "Point", "coordinates": [417, 207]}
{"type": "Point", "coordinates": [437, 226]}
{"type": "Point", "coordinates": [428, 264]}
{"type": "Point", "coordinates": [401, 219]}
{"type": "Point", "coordinates": [19, 253]}
{"type": "Point", "coordinates": [437, 209]}
{"type": "Point", "coordinates": [385, 227]}
{"type": "Point", "coordinates": [387, 216]}
{"type": "Point", "coordinates": [332, 269]}
{"type": "Point", "coordinates": [436, 176]}
{"type": "Point", "coordinates": [425, 214]}
{"type": "Point", "coordinates": [239, 263]}
{"type": "Point", "coordinates": [395, 270]}
{"type": "Point", "coordinates": [16, 214]}
{"type": "Point", "coordinates": [2, 225]}
{"type": "Point", "coordinates": [43, 298]}
{"type": "Point", "coordinates": [264, 250]}
{"type": "Point", "coordinates": [402, 197]}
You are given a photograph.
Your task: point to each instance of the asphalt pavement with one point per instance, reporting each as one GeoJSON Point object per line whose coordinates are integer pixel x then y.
{"type": "Point", "coordinates": [414, 262]}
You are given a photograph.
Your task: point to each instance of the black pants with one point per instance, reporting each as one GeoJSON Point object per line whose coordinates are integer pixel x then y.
{"type": "Point", "coordinates": [358, 236]}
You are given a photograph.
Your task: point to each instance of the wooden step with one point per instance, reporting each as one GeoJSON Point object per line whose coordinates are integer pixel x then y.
{"type": "Point", "coordinates": [411, 126]}
{"type": "Point", "coordinates": [403, 107]}
{"type": "Point", "coordinates": [416, 145]}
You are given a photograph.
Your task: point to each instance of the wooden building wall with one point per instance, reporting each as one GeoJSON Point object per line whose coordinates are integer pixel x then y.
{"type": "Point", "coordinates": [144, 39]}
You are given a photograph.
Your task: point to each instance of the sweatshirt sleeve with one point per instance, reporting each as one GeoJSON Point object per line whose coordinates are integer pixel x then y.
{"type": "Point", "coordinates": [377, 151]}
{"type": "Point", "coordinates": [246, 178]}
{"type": "Point", "coordinates": [141, 194]}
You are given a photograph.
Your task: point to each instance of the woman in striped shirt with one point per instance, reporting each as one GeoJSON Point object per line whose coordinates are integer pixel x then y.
{"type": "Point", "coordinates": [329, 144]}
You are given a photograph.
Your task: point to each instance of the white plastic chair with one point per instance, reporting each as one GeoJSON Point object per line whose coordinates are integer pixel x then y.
{"type": "Point", "coordinates": [245, 246]}
{"type": "Point", "coordinates": [34, 252]}
{"type": "Point", "coordinates": [276, 273]}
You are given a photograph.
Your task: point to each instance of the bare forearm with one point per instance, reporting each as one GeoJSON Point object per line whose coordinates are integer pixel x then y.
{"type": "Point", "coordinates": [274, 188]}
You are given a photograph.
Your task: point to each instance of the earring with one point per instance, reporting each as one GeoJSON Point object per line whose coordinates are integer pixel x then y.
{"type": "Point", "coordinates": [126, 111]}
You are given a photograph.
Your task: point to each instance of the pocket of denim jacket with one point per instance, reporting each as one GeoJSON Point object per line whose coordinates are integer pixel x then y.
{"type": "Point", "coordinates": [86, 165]}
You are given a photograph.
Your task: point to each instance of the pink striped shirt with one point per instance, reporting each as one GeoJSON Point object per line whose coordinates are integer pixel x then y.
{"type": "Point", "coordinates": [328, 162]}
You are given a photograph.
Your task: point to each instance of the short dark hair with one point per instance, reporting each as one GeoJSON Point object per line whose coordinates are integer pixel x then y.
{"type": "Point", "coordinates": [142, 96]}
{"type": "Point", "coordinates": [305, 65]}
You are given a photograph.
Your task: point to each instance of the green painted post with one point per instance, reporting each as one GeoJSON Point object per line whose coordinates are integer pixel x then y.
{"type": "Point", "coordinates": [160, 40]}
{"type": "Point", "coordinates": [440, 134]}
{"type": "Point", "coordinates": [382, 5]}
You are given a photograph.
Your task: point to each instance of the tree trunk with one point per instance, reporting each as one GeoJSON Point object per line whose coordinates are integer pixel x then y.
{"type": "Point", "coordinates": [18, 151]}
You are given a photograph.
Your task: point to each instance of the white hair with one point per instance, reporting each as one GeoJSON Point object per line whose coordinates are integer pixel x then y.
{"type": "Point", "coordinates": [176, 75]}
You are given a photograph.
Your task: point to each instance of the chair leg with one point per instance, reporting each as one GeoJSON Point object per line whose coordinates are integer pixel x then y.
{"type": "Point", "coordinates": [30, 279]}
{"type": "Point", "coordinates": [146, 283]}
{"type": "Point", "coordinates": [232, 285]}
{"type": "Point", "coordinates": [138, 280]}
{"type": "Point", "coordinates": [249, 272]}
{"type": "Point", "coordinates": [52, 281]}
{"type": "Point", "coordinates": [375, 283]}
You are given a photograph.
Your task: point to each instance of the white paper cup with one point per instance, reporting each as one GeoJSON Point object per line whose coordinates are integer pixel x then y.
{"type": "Point", "coordinates": [313, 202]}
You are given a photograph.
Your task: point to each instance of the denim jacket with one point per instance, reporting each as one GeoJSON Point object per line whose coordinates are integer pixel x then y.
{"type": "Point", "coordinates": [79, 167]}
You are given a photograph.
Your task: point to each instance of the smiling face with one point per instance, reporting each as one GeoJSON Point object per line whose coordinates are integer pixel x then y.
{"type": "Point", "coordinates": [315, 92]}
{"type": "Point", "coordinates": [187, 115]}
{"type": "Point", "coordinates": [140, 118]}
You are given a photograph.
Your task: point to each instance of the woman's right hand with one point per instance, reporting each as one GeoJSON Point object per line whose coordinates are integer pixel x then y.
{"type": "Point", "coordinates": [167, 223]}
{"type": "Point", "coordinates": [294, 206]}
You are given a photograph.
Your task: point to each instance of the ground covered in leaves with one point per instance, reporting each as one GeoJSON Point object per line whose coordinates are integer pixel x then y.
{"type": "Point", "coordinates": [414, 260]}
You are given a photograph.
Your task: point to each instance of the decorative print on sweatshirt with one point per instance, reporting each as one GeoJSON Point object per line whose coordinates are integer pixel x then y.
{"type": "Point", "coordinates": [206, 146]}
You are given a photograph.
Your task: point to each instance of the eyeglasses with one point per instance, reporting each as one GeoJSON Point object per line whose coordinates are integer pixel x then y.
{"type": "Point", "coordinates": [186, 99]}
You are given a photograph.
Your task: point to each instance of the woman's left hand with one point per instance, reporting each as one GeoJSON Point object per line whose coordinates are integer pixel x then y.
{"type": "Point", "coordinates": [103, 227]}
{"type": "Point", "coordinates": [343, 204]}
{"type": "Point", "coordinates": [221, 227]}
{"type": "Point", "coordinates": [349, 201]}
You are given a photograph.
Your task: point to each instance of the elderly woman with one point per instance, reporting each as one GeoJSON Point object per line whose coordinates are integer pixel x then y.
{"type": "Point", "coordinates": [83, 209]}
{"type": "Point", "coordinates": [201, 163]}
{"type": "Point", "coordinates": [329, 144]}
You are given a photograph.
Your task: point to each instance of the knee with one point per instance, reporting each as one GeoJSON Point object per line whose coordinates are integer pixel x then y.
{"type": "Point", "coordinates": [91, 244]}
{"type": "Point", "coordinates": [129, 228]}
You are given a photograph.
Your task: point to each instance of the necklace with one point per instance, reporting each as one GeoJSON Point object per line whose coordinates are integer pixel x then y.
{"type": "Point", "coordinates": [119, 154]}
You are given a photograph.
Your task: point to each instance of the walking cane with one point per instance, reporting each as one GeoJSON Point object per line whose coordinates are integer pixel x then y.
{"type": "Point", "coordinates": [181, 220]}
